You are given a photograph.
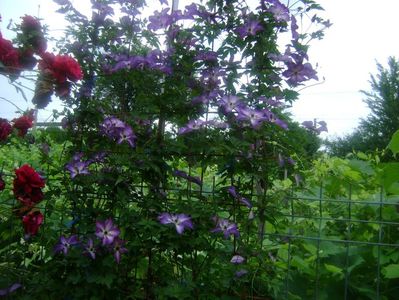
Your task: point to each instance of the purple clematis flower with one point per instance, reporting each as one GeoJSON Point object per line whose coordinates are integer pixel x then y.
{"type": "Point", "coordinates": [127, 134]}
{"type": "Point", "coordinates": [250, 28]}
{"type": "Point", "coordinates": [209, 56]}
{"type": "Point", "coordinates": [294, 28]}
{"type": "Point", "coordinates": [118, 247]}
{"type": "Point", "coordinates": [223, 225]}
{"type": "Point", "coordinates": [253, 116]}
{"type": "Point", "coordinates": [322, 127]}
{"type": "Point", "coordinates": [233, 192]}
{"type": "Point", "coordinates": [106, 231]}
{"type": "Point", "coordinates": [12, 288]}
{"type": "Point", "coordinates": [90, 249]}
{"type": "Point", "coordinates": [191, 126]}
{"type": "Point", "coordinates": [181, 221]}
{"type": "Point", "coordinates": [229, 102]}
{"type": "Point", "coordinates": [184, 175]}
{"type": "Point", "coordinates": [241, 273]}
{"type": "Point", "coordinates": [312, 125]}
{"type": "Point", "coordinates": [237, 259]}
{"type": "Point", "coordinates": [298, 72]}
{"type": "Point", "coordinates": [118, 131]}
{"type": "Point", "coordinates": [65, 243]}
{"type": "Point", "coordinates": [78, 167]}
{"type": "Point", "coordinates": [279, 10]}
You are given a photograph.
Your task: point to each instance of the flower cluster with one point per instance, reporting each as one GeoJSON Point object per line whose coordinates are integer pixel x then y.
{"type": "Point", "coordinates": [27, 188]}
{"type": "Point", "coordinates": [183, 221]}
{"type": "Point", "coordinates": [14, 60]}
{"type": "Point", "coordinates": [154, 60]}
{"type": "Point", "coordinates": [118, 131]}
{"type": "Point", "coordinates": [232, 106]}
{"type": "Point", "coordinates": [21, 124]}
{"type": "Point", "coordinates": [106, 232]}
{"type": "Point", "coordinates": [57, 72]}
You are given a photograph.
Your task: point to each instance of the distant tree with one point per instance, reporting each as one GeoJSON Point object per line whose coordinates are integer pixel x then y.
{"type": "Point", "coordinates": [375, 131]}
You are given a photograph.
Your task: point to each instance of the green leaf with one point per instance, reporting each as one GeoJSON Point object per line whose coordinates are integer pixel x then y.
{"type": "Point", "coordinates": [333, 269]}
{"type": "Point", "coordinates": [391, 271]}
{"type": "Point", "coordinates": [394, 143]}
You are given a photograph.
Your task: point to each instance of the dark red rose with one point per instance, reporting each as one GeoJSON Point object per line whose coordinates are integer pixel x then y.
{"type": "Point", "coordinates": [63, 89]}
{"type": "Point", "coordinates": [27, 186]}
{"type": "Point", "coordinates": [9, 56]}
{"type": "Point", "coordinates": [31, 199]}
{"type": "Point", "coordinates": [32, 222]}
{"type": "Point", "coordinates": [69, 66]}
{"type": "Point", "coordinates": [2, 184]}
{"type": "Point", "coordinates": [30, 23]}
{"type": "Point", "coordinates": [33, 34]}
{"type": "Point", "coordinates": [23, 123]}
{"type": "Point", "coordinates": [5, 129]}
{"type": "Point", "coordinates": [60, 67]}
{"type": "Point", "coordinates": [26, 59]}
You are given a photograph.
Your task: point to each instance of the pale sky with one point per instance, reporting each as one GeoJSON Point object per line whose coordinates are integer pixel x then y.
{"type": "Point", "coordinates": [362, 33]}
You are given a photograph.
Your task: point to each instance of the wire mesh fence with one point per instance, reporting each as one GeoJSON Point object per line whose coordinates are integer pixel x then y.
{"type": "Point", "coordinates": [327, 247]}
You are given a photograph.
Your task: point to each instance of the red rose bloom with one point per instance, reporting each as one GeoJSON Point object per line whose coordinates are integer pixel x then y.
{"type": "Point", "coordinates": [32, 222]}
{"type": "Point", "coordinates": [61, 67]}
{"type": "Point", "coordinates": [30, 23]}
{"type": "Point", "coordinates": [68, 66]}
{"type": "Point", "coordinates": [9, 56]}
{"type": "Point", "coordinates": [23, 123]}
{"type": "Point", "coordinates": [33, 34]}
{"type": "Point", "coordinates": [27, 186]}
{"type": "Point", "coordinates": [5, 129]}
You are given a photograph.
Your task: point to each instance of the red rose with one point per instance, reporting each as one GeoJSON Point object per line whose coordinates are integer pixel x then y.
{"type": "Point", "coordinates": [30, 23]}
{"type": "Point", "coordinates": [23, 123]}
{"type": "Point", "coordinates": [70, 67]}
{"type": "Point", "coordinates": [29, 200]}
{"type": "Point", "coordinates": [9, 56]}
{"type": "Point", "coordinates": [61, 67]}
{"type": "Point", "coordinates": [5, 129]}
{"type": "Point", "coordinates": [33, 34]}
{"type": "Point", "coordinates": [27, 186]}
{"type": "Point", "coordinates": [32, 222]}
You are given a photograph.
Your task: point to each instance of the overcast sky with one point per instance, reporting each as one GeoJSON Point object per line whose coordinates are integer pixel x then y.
{"type": "Point", "coordinates": [362, 33]}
